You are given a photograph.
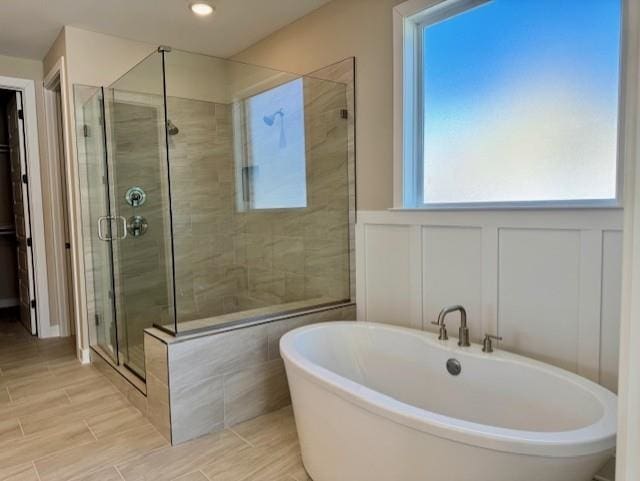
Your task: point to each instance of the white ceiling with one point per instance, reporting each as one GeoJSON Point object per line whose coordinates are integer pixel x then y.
{"type": "Point", "coordinates": [29, 27]}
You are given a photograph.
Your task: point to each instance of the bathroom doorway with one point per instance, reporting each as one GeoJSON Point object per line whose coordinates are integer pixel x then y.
{"type": "Point", "coordinates": [17, 286]}
{"type": "Point", "coordinates": [62, 290]}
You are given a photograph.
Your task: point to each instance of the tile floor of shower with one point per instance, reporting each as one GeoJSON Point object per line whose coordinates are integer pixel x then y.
{"type": "Point", "coordinates": [63, 421]}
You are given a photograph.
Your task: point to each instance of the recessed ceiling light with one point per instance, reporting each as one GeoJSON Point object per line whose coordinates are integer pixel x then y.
{"type": "Point", "coordinates": [201, 8]}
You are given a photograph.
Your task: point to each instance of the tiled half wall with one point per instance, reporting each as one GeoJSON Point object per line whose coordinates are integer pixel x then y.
{"type": "Point", "coordinates": [204, 383]}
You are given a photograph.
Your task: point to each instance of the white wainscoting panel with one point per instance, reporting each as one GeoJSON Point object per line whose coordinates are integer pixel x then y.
{"type": "Point", "coordinates": [610, 326]}
{"type": "Point", "coordinates": [452, 274]}
{"type": "Point", "coordinates": [539, 294]}
{"type": "Point", "coordinates": [389, 255]}
{"type": "Point", "coordinates": [548, 281]}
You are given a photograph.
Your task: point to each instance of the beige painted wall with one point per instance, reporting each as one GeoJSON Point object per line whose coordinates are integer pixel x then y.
{"type": "Point", "coordinates": [343, 28]}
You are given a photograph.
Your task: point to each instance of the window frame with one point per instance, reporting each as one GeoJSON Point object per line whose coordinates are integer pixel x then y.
{"type": "Point", "coordinates": [409, 21]}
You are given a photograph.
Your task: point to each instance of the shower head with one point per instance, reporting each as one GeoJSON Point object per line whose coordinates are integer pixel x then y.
{"type": "Point", "coordinates": [270, 119]}
{"type": "Point", "coordinates": [172, 129]}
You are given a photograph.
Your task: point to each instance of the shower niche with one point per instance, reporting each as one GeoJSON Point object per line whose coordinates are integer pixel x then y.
{"type": "Point", "coordinates": [216, 196]}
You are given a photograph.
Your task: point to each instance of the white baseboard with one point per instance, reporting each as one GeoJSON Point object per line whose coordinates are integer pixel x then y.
{"type": "Point", "coordinates": [49, 331]}
{"type": "Point", "coordinates": [84, 356]}
{"type": "Point", "coordinates": [10, 302]}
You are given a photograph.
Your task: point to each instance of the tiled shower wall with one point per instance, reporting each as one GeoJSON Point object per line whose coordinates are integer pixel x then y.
{"type": "Point", "coordinates": [231, 260]}
{"type": "Point", "coordinates": [142, 264]}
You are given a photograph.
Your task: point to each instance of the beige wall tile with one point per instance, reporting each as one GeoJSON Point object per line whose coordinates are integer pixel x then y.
{"type": "Point", "coordinates": [156, 361]}
{"type": "Point", "coordinates": [197, 410]}
{"type": "Point", "coordinates": [255, 391]}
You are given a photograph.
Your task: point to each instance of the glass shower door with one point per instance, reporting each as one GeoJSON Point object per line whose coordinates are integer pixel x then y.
{"type": "Point", "coordinates": [100, 263]}
{"type": "Point", "coordinates": [139, 195]}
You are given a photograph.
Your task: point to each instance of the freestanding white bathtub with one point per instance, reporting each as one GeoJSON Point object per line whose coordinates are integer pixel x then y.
{"type": "Point", "coordinates": [376, 403]}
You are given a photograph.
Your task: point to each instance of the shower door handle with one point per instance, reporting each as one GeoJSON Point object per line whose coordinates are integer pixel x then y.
{"type": "Point", "coordinates": [124, 227]}
{"type": "Point", "coordinates": [101, 235]}
{"type": "Point", "coordinates": [109, 219]}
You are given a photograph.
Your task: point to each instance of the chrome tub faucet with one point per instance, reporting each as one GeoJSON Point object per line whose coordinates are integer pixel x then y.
{"type": "Point", "coordinates": [463, 337]}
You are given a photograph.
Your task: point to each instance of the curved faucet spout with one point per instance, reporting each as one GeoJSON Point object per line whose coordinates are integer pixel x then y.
{"type": "Point", "coordinates": [463, 338]}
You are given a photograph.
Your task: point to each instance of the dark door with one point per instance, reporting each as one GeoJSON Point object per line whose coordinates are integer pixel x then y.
{"type": "Point", "coordinates": [21, 213]}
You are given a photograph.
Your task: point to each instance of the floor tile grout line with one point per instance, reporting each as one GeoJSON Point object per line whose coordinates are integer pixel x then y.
{"type": "Point", "coordinates": [68, 448]}
{"type": "Point", "coordinates": [119, 473]}
{"type": "Point", "coordinates": [203, 474]}
{"type": "Point", "coordinates": [90, 430]}
{"type": "Point", "coordinates": [242, 438]}
{"type": "Point", "coordinates": [66, 393]}
{"type": "Point", "coordinates": [21, 428]}
{"type": "Point", "coordinates": [11, 401]}
{"type": "Point", "coordinates": [33, 463]}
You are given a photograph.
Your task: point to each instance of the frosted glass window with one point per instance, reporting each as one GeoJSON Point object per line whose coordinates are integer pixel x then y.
{"type": "Point", "coordinates": [276, 170]}
{"type": "Point", "coordinates": [521, 102]}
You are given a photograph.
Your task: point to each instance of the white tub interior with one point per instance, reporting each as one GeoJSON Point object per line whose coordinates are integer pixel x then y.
{"type": "Point", "coordinates": [490, 390]}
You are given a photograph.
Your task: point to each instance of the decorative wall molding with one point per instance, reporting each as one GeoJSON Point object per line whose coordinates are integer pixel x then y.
{"type": "Point", "coordinates": [548, 281]}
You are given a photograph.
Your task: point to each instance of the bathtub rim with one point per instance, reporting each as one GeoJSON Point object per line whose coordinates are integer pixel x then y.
{"type": "Point", "coordinates": [592, 439]}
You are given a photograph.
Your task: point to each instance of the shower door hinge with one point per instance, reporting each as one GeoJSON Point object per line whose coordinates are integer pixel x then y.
{"type": "Point", "coordinates": [97, 318]}
{"type": "Point", "coordinates": [344, 113]}
{"type": "Point", "coordinates": [85, 130]}
{"type": "Point", "coordinates": [21, 114]}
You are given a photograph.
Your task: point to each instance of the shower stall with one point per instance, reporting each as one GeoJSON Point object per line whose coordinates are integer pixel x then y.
{"type": "Point", "coordinates": [215, 194]}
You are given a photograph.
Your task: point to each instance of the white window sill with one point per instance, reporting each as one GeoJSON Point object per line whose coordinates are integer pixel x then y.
{"type": "Point", "coordinates": [510, 206]}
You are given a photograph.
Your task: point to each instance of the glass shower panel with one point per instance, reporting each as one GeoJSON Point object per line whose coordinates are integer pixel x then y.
{"type": "Point", "coordinates": [258, 168]}
{"type": "Point", "coordinates": [139, 194]}
{"type": "Point", "coordinates": [96, 219]}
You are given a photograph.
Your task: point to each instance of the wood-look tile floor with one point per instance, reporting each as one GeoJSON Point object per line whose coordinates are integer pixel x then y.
{"type": "Point", "coordinates": [60, 420]}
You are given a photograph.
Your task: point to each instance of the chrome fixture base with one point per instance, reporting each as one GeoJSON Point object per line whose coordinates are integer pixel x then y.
{"type": "Point", "coordinates": [487, 344]}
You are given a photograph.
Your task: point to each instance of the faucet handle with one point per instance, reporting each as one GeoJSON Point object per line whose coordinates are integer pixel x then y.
{"type": "Point", "coordinates": [487, 345]}
{"type": "Point", "coordinates": [442, 333]}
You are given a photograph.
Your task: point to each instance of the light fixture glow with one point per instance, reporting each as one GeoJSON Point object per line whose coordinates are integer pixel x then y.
{"type": "Point", "coordinates": [201, 8]}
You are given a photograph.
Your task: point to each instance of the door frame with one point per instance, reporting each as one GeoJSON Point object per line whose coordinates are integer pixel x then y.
{"type": "Point", "coordinates": [28, 89]}
{"type": "Point", "coordinates": [59, 163]}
